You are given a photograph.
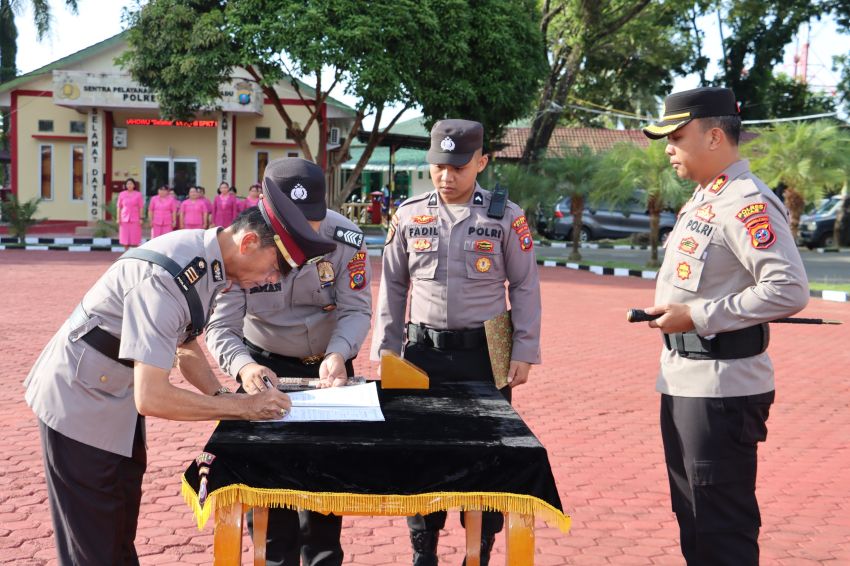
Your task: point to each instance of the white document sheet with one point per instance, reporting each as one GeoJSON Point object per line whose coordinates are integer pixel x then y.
{"type": "Point", "coordinates": [352, 403]}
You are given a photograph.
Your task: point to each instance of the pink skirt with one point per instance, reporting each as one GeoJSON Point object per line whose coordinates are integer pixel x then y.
{"type": "Point", "coordinates": [160, 230]}
{"type": "Point", "coordinates": [130, 233]}
{"type": "Point", "coordinates": [191, 226]}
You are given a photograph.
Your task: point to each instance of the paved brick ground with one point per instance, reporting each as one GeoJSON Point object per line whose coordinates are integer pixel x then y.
{"type": "Point", "coordinates": [592, 404]}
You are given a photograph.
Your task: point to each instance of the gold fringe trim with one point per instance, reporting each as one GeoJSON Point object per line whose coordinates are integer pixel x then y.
{"type": "Point", "coordinates": [356, 504]}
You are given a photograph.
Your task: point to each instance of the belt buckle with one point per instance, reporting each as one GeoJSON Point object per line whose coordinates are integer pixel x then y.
{"type": "Point", "coordinates": [313, 360]}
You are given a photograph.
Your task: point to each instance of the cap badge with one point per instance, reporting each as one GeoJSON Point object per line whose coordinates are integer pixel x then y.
{"type": "Point", "coordinates": [447, 144]}
{"type": "Point", "coordinates": [298, 192]}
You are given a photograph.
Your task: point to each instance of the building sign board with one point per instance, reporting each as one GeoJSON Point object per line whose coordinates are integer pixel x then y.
{"type": "Point", "coordinates": [111, 91]}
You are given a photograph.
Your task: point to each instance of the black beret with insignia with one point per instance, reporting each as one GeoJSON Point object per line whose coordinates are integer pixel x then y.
{"type": "Point", "coordinates": [453, 142]}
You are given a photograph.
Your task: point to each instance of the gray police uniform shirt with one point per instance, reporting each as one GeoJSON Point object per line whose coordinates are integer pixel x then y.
{"type": "Point", "coordinates": [82, 394]}
{"type": "Point", "coordinates": [456, 263]}
{"type": "Point", "coordinates": [732, 259]}
{"type": "Point", "coordinates": [319, 308]}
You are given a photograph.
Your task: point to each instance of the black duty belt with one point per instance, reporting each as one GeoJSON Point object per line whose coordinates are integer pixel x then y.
{"type": "Point", "coordinates": [446, 339]}
{"type": "Point", "coordinates": [307, 361]}
{"type": "Point", "coordinates": [98, 338]}
{"type": "Point", "coordinates": [743, 343]}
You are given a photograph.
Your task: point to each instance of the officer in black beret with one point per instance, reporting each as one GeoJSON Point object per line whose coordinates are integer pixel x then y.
{"type": "Point", "coordinates": [730, 266]}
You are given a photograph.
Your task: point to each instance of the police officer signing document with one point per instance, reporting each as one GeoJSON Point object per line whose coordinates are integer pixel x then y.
{"type": "Point", "coordinates": [730, 266]}
{"type": "Point", "coordinates": [109, 364]}
{"type": "Point", "coordinates": [310, 324]}
{"type": "Point", "coordinates": [455, 259]}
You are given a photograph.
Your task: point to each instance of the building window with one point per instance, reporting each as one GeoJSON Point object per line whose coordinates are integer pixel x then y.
{"type": "Point", "coordinates": [45, 125]}
{"type": "Point", "coordinates": [420, 174]}
{"type": "Point", "coordinates": [292, 154]}
{"type": "Point", "coordinates": [78, 127]}
{"type": "Point", "coordinates": [78, 158]}
{"type": "Point", "coordinates": [262, 161]}
{"type": "Point", "coordinates": [262, 133]}
{"type": "Point", "coordinates": [47, 172]}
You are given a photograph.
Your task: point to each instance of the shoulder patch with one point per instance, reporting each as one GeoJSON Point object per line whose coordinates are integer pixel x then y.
{"type": "Point", "coordinates": [217, 273]}
{"type": "Point", "coordinates": [192, 273]}
{"type": "Point", "coordinates": [478, 198]}
{"type": "Point", "coordinates": [751, 210]}
{"type": "Point", "coordinates": [349, 237]}
{"type": "Point", "coordinates": [762, 235]}
{"type": "Point", "coordinates": [392, 229]}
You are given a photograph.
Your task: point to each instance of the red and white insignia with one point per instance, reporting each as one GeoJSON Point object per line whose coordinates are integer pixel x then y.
{"type": "Point", "coordinates": [357, 279]}
{"type": "Point", "coordinates": [762, 235]}
{"type": "Point", "coordinates": [421, 245]}
{"type": "Point", "coordinates": [683, 270]}
{"type": "Point", "coordinates": [520, 224]}
{"type": "Point", "coordinates": [704, 213]}
{"type": "Point", "coordinates": [751, 210]}
{"type": "Point", "coordinates": [688, 245]}
{"type": "Point", "coordinates": [483, 264]}
{"type": "Point", "coordinates": [484, 246]}
{"type": "Point", "coordinates": [718, 184]}
{"type": "Point", "coordinates": [423, 219]}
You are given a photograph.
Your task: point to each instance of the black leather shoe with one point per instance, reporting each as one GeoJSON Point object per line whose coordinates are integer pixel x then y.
{"type": "Point", "coordinates": [424, 547]}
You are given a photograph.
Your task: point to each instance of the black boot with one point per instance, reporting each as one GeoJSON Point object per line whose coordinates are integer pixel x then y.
{"type": "Point", "coordinates": [424, 547]}
{"type": "Point", "coordinates": [486, 548]}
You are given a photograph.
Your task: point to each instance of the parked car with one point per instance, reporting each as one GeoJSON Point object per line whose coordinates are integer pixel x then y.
{"type": "Point", "coordinates": [602, 220]}
{"type": "Point", "coordinates": [817, 229]}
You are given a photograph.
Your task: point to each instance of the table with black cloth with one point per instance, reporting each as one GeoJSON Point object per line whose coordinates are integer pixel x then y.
{"type": "Point", "coordinates": [458, 445]}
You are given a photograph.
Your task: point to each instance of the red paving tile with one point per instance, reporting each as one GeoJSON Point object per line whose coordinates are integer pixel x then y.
{"type": "Point", "coordinates": [592, 404]}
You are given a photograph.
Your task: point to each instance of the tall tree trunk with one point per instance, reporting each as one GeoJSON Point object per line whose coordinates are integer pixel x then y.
{"type": "Point", "coordinates": [795, 203]}
{"type": "Point", "coordinates": [577, 211]}
{"type": "Point", "coordinates": [654, 222]}
{"type": "Point", "coordinates": [551, 106]}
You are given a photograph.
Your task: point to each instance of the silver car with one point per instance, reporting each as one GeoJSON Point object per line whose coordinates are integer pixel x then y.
{"type": "Point", "coordinates": [604, 221]}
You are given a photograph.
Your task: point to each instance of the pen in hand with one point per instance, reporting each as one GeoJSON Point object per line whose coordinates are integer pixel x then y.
{"type": "Point", "coordinates": [268, 382]}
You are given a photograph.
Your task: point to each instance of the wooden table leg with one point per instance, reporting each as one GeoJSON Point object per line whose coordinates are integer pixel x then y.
{"type": "Point", "coordinates": [472, 521]}
{"type": "Point", "coordinates": [261, 524]}
{"type": "Point", "coordinates": [227, 540]}
{"type": "Point", "coordinates": [520, 540]}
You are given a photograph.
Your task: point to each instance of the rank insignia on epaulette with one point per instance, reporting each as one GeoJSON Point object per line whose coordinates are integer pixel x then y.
{"type": "Point", "coordinates": [432, 200]}
{"type": "Point", "coordinates": [217, 273]}
{"type": "Point", "coordinates": [478, 198]}
{"type": "Point", "coordinates": [192, 273]}
{"type": "Point", "coordinates": [347, 236]}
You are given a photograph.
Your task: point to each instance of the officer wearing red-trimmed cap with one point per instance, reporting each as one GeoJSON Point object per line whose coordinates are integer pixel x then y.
{"type": "Point", "coordinates": [730, 266]}
{"type": "Point", "coordinates": [310, 324]}
{"type": "Point", "coordinates": [108, 366]}
{"type": "Point", "coordinates": [455, 258]}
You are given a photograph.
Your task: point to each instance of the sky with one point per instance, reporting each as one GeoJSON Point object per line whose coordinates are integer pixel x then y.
{"type": "Point", "coordinates": [100, 19]}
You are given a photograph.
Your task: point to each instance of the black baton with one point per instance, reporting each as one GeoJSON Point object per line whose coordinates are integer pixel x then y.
{"type": "Point", "coordinates": [639, 315]}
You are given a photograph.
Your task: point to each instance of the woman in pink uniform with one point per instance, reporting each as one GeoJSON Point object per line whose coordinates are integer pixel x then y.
{"type": "Point", "coordinates": [129, 209]}
{"type": "Point", "coordinates": [193, 211]}
{"type": "Point", "coordinates": [253, 197]}
{"type": "Point", "coordinates": [225, 206]}
{"type": "Point", "coordinates": [162, 214]}
{"type": "Point", "coordinates": [203, 196]}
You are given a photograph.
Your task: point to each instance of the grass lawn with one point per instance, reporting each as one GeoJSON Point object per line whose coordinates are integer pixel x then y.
{"type": "Point", "coordinates": [820, 286]}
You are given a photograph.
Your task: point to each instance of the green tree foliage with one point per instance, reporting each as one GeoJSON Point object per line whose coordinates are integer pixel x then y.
{"type": "Point", "coordinates": [526, 187]}
{"type": "Point", "coordinates": [787, 97]}
{"type": "Point", "coordinates": [385, 52]}
{"type": "Point", "coordinates": [20, 216]}
{"type": "Point", "coordinates": [573, 175]}
{"type": "Point", "coordinates": [629, 171]}
{"type": "Point", "coordinates": [807, 158]}
{"type": "Point", "coordinates": [616, 52]}
{"type": "Point", "coordinates": [756, 33]}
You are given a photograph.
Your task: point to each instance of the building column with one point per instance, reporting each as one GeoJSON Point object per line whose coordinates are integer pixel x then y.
{"type": "Point", "coordinates": [96, 158]}
{"type": "Point", "coordinates": [225, 148]}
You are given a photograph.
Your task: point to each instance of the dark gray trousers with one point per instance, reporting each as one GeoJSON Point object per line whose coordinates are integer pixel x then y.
{"type": "Point", "coordinates": [94, 499]}
{"type": "Point", "coordinates": [710, 447]}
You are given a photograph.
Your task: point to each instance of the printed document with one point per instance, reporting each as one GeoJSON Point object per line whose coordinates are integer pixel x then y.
{"type": "Point", "coordinates": [350, 403]}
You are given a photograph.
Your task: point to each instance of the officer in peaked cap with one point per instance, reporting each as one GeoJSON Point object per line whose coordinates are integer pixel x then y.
{"type": "Point", "coordinates": [730, 266]}
{"type": "Point", "coordinates": [454, 252]}
{"type": "Point", "coordinates": [108, 366]}
{"type": "Point", "coordinates": [312, 323]}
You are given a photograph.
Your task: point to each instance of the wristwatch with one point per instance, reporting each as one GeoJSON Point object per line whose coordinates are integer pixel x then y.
{"type": "Point", "coordinates": [222, 390]}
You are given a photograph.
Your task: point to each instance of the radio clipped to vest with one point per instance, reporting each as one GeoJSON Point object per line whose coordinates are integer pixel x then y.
{"type": "Point", "coordinates": [498, 202]}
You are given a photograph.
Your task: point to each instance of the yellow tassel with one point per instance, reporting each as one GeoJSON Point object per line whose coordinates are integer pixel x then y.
{"type": "Point", "coordinates": [357, 504]}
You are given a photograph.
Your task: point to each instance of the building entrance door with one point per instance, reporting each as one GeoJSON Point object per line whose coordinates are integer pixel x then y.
{"type": "Point", "coordinates": [178, 173]}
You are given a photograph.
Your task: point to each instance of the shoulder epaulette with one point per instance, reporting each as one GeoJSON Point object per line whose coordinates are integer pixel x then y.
{"type": "Point", "coordinates": [348, 236]}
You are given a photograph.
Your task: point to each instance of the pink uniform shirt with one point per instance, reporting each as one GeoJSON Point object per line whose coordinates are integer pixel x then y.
{"type": "Point", "coordinates": [159, 211]}
{"type": "Point", "coordinates": [131, 204]}
{"type": "Point", "coordinates": [193, 212]}
{"type": "Point", "coordinates": [225, 209]}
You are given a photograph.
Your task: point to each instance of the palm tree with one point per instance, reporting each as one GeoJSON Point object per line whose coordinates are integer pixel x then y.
{"type": "Point", "coordinates": [628, 171]}
{"type": "Point", "coordinates": [525, 186]}
{"type": "Point", "coordinates": [808, 158]}
{"type": "Point", "coordinates": [573, 175]}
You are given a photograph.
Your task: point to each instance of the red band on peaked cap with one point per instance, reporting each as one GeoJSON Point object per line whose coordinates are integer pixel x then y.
{"type": "Point", "coordinates": [296, 234]}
